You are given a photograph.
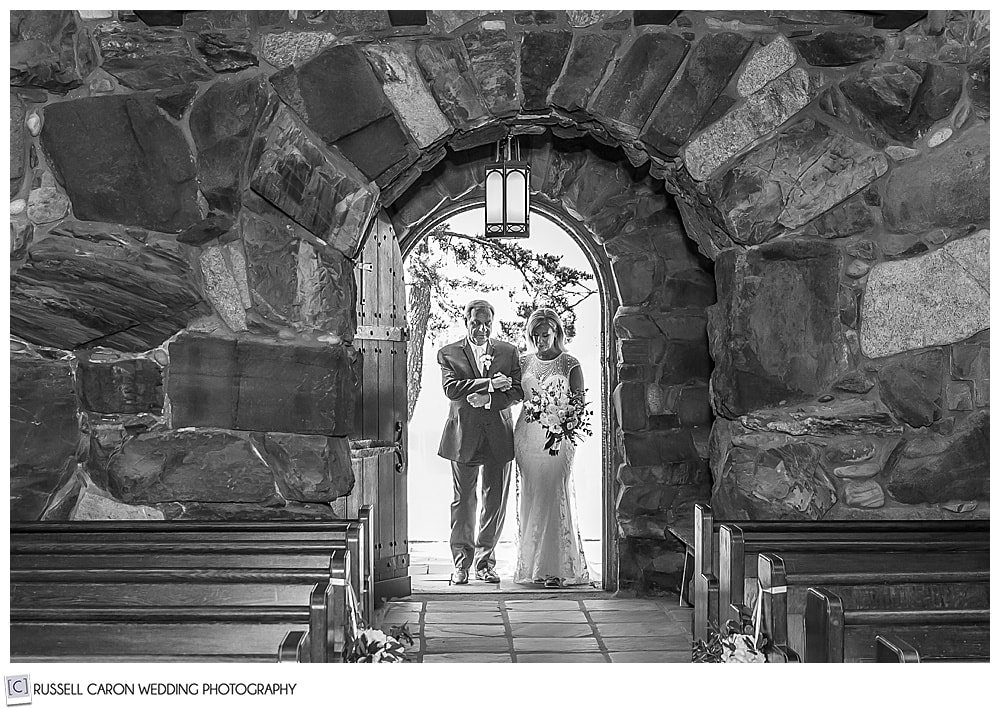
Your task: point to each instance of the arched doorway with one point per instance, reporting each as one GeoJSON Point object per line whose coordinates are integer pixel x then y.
{"type": "Point", "coordinates": [554, 233]}
{"type": "Point", "coordinates": [656, 358]}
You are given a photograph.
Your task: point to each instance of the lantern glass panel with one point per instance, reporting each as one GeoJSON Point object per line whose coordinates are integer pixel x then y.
{"type": "Point", "coordinates": [516, 202]}
{"type": "Point", "coordinates": [494, 196]}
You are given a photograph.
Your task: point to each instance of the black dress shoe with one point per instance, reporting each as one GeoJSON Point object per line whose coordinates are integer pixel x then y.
{"type": "Point", "coordinates": [488, 574]}
{"type": "Point", "coordinates": [460, 576]}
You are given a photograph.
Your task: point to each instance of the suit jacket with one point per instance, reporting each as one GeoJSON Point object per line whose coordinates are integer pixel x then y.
{"type": "Point", "coordinates": [471, 431]}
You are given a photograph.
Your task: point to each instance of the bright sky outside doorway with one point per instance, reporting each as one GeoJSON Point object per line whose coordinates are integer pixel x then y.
{"type": "Point", "coordinates": [429, 476]}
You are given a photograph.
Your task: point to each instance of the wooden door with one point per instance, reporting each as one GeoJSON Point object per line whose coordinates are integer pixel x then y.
{"type": "Point", "coordinates": [381, 342]}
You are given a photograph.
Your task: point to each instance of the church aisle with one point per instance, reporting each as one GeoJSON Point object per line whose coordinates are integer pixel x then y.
{"type": "Point", "coordinates": [512, 629]}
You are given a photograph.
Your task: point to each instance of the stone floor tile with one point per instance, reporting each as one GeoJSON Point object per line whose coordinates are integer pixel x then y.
{"type": "Point", "coordinates": [542, 605]}
{"type": "Point", "coordinates": [477, 605]}
{"type": "Point", "coordinates": [408, 606]}
{"type": "Point", "coordinates": [544, 630]}
{"type": "Point", "coordinates": [432, 631]}
{"type": "Point", "coordinates": [547, 616]}
{"type": "Point", "coordinates": [493, 644]}
{"type": "Point", "coordinates": [561, 658]}
{"type": "Point", "coordinates": [651, 657]}
{"type": "Point", "coordinates": [467, 658]}
{"type": "Point", "coordinates": [463, 617]}
{"type": "Point", "coordinates": [647, 643]}
{"type": "Point", "coordinates": [642, 615]}
{"type": "Point", "coordinates": [683, 616]}
{"type": "Point", "coordinates": [620, 604]}
{"type": "Point", "coordinates": [652, 628]}
{"type": "Point", "coordinates": [397, 618]}
{"type": "Point", "coordinates": [555, 645]}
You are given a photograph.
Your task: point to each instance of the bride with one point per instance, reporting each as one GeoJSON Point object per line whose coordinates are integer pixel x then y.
{"type": "Point", "coordinates": [549, 548]}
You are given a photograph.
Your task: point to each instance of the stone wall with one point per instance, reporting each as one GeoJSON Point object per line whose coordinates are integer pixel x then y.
{"type": "Point", "coordinates": [214, 179]}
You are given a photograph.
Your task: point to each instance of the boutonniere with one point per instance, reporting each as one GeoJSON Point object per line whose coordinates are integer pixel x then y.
{"type": "Point", "coordinates": [487, 360]}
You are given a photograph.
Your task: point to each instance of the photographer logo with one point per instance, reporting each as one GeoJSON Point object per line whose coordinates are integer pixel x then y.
{"type": "Point", "coordinates": [18, 689]}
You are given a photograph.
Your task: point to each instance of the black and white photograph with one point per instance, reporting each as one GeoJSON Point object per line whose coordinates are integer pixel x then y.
{"type": "Point", "coordinates": [497, 336]}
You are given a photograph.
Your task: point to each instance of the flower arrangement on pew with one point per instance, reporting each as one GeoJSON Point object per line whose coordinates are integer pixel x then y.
{"type": "Point", "coordinates": [368, 645]}
{"type": "Point", "coordinates": [562, 413]}
{"type": "Point", "coordinates": [376, 646]}
{"type": "Point", "coordinates": [738, 642]}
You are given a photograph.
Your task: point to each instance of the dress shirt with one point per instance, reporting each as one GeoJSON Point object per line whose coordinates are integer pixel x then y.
{"type": "Point", "coordinates": [477, 352]}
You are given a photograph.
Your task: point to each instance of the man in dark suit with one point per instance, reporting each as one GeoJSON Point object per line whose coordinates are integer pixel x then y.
{"type": "Point", "coordinates": [482, 378]}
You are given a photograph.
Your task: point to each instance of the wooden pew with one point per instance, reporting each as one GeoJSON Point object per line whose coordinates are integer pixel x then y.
{"type": "Point", "coordinates": [77, 620]}
{"type": "Point", "coordinates": [738, 548]}
{"type": "Point", "coordinates": [835, 634]}
{"type": "Point", "coordinates": [183, 591]}
{"type": "Point", "coordinates": [871, 579]}
{"type": "Point", "coordinates": [705, 556]}
{"type": "Point", "coordinates": [264, 544]}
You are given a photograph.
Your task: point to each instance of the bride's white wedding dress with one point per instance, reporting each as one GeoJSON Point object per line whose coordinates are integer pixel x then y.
{"type": "Point", "coordinates": [548, 540]}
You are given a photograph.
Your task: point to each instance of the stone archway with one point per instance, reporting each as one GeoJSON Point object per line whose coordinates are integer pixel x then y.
{"type": "Point", "coordinates": [836, 173]}
{"type": "Point", "coordinates": [654, 289]}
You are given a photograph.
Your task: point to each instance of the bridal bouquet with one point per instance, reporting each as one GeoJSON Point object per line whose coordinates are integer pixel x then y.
{"type": "Point", "coordinates": [562, 413]}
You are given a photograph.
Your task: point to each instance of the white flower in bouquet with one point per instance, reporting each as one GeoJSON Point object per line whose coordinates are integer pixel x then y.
{"type": "Point", "coordinates": [563, 414]}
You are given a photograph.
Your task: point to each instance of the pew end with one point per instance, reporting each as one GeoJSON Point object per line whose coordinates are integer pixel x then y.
{"type": "Point", "coordinates": [891, 649]}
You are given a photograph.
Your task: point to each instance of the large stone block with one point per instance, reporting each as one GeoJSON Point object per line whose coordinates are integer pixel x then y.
{"type": "Point", "coordinates": [912, 387]}
{"type": "Point", "coordinates": [780, 483]}
{"type": "Point", "coordinates": [775, 333]}
{"type": "Point", "coordinates": [542, 58]}
{"type": "Point", "coordinates": [223, 271]}
{"type": "Point", "coordinates": [226, 51]}
{"type": "Point", "coordinates": [95, 504]}
{"type": "Point", "coordinates": [111, 383]}
{"type": "Point", "coordinates": [948, 188]}
{"type": "Point", "coordinates": [282, 49]}
{"type": "Point", "coordinates": [309, 469]}
{"type": "Point", "coordinates": [589, 56]}
{"type": "Point", "coordinates": [143, 57]}
{"type": "Point", "coordinates": [17, 157]}
{"type": "Point", "coordinates": [839, 49]}
{"type": "Point", "coordinates": [935, 299]}
{"type": "Point", "coordinates": [971, 361]}
{"type": "Point", "coordinates": [661, 447]}
{"type": "Point", "coordinates": [338, 96]}
{"type": "Point", "coordinates": [445, 66]}
{"type": "Point", "coordinates": [630, 92]}
{"type": "Point", "coordinates": [223, 122]}
{"type": "Point", "coordinates": [792, 179]}
{"type": "Point", "coordinates": [314, 185]}
{"type": "Point", "coordinates": [937, 468]}
{"type": "Point", "coordinates": [296, 283]}
{"type": "Point", "coordinates": [207, 465]}
{"type": "Point", "coordinates": [395, 64]}
{"type": "Point", "coordinates": [760, 114]}
{"type": "Point", "coordinates": [904, 98]}
{"type": "Point", "coordinates": [678, 473]}
{"type": "Point", "coordinates": [493, 56]}
{"type": "Point", "coordinates": [261, 386]}
{"type": "Point", "coordinates": [766, 64]}
{"type": "Point", "coordinates": [683, 361]}
{"type": "Point", "coordinates": [841, 417]}
{"type": "Point", "coordinates": [44, 431]}
{"type": "Point", "coordinates": [635, 278]}
{"type": "Point", "coordinates": [147, 173]}
{"type": "Point", "coordinates": [586, 18]}
{"type": "Point", "coordinates": [47, 51]}
{"type": "Point", "coordinates": [98, 285]}
{"type": "Point", "coordinates": [684, 104]}
{"type": "Point", "coordinates": [630, 406]}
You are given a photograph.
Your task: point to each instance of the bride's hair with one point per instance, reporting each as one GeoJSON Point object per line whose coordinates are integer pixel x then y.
{"type": "Point", "coordinates": [548, 317]}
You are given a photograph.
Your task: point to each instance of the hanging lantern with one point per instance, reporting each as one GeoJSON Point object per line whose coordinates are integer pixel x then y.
{"type": "Point", "coordinates": [507, 181]}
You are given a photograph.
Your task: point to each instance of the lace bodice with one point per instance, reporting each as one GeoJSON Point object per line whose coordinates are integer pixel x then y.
{"type": "Point", "coordinates": [535, 371]}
